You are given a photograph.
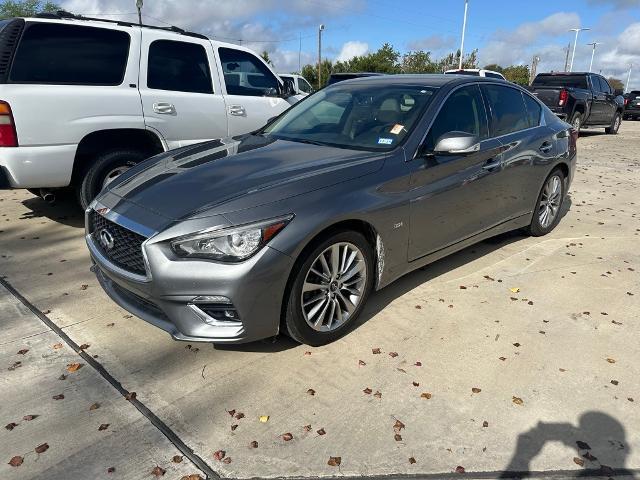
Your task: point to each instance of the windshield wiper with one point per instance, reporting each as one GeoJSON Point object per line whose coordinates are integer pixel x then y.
{"type": "Point", "coordinates": [303, 140]}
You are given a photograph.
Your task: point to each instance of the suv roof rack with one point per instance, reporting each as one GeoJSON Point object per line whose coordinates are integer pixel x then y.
{"type": "Point", "coordinates": [64, 15]}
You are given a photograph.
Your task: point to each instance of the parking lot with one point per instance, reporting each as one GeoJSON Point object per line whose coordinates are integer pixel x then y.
{"type": "Point", "coordinates": [517, 354]}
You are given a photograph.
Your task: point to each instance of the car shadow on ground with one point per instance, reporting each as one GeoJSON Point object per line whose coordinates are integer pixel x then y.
{"type": "Point", "coordinates": [599, 440]}
{"type": "Point", "coordinates": [64, 210]}
{"type": "Point", "coordinates": [380, 299]}
{"type": "Point", "coordinates": [592, 133]}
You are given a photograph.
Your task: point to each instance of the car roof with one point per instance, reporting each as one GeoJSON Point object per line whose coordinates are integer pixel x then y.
{"type": "Point", "coordinates": [426, 79]}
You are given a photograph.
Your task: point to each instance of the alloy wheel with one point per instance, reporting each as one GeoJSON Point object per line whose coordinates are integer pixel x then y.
{"type": "Point", "coordinates": [334, 286]}
{"type": "Point", "coordinates": [550, 201]}
{"type": "Point", "coordinates": [113, 174]}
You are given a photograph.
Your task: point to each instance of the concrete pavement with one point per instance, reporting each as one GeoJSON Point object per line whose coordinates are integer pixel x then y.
{"type": "Point", "coordinates": [486, 378]}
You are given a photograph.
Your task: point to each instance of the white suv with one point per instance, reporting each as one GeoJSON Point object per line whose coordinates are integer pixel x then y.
{"type": "Point", "coordinates": [477, 72]}
{"type": "Point", "coordinates": [82, 100]}
{"type": "Point", "coordinates": [300, 84]}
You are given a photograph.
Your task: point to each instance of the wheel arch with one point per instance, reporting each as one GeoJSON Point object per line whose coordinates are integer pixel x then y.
{"type": "Point", "coordinates": [102, 141]}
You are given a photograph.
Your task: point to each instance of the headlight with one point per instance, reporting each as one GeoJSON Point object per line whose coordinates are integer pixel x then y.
{"type": "Point", "coordinates": [232, 244]}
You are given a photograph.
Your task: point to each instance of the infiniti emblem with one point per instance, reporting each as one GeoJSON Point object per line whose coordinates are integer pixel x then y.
{"type": "Point", "coordinates": [106, 239]}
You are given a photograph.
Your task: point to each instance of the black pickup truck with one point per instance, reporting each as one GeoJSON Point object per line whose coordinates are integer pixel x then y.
{"type": "Point", "coordinates": [632, 105]}
{"type": "Point", "coordinates": [581, 99]}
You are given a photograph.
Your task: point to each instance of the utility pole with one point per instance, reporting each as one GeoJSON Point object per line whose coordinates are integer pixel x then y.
{"type": "Point", "coordinates": [573, 55]}
{"type": "Point", "coordinates": [593, 53]}
{"type": "Point", "coordinates": [320, 29]}
{"type": "Point", "coordinates": [629, 78]}
{"type": "Point", "coordinates": [566, 59]}
{"type": "Point", "coordinates": [300, 55]}
{"type": "Point", "coordinates": [464, 28]}
{"type": "Point", "coordinates": [534, 68]}
{"type": "Point", "coordinates": [139, 6]}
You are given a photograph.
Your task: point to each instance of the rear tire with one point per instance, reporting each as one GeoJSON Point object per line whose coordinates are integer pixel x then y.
{"type": "Point", "coordinates": [615, 124]}
{"type": "Point", "coordinates": [549, 205]}
{"type": "Point", "coordinates": [576, 121]}
{"type": "Point", "coordinates": [330, 324]}
{"type": "Point", "coordinates": [104, 169]}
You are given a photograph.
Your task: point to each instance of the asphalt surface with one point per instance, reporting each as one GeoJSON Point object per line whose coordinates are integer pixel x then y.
{"type": "Point", "coordinates": [517, 354]}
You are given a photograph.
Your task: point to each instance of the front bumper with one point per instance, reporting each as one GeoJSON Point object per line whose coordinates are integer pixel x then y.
{"type": "Point", "coordinates": [169, 297]}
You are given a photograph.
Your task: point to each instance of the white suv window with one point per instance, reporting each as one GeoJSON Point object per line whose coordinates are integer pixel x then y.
{"type": "Point", "coordinates": [245, 75]}
{"type": "Point", "coordinates": [178, 67]}
{"type": "Point", "coordinates": [304, 86]}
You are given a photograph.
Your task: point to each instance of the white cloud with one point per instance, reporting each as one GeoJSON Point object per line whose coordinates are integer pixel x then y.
{"type": "Point", "coordinates": [433, 43]}
{"type": "Point", "coordinates": [617, 4]}
{"type": "Point", "coordinates": [352, 49]}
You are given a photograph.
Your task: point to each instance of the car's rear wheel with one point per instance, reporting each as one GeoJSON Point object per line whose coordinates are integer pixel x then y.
{"type": "Point", "coordinates": [331, 285]}
{"type": "Point", "coordinates": [576, 121]}
{"type": "Point", "coordinates": [549, 205]}
{"type": "Point", "coordinates": [105, 169]}
{"type": "Point", "coordinates": [615, 125]}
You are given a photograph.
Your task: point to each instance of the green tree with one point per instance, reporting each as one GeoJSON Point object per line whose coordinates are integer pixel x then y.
{"type": "Point", "coordinates": [418, 62]}
{"type": "Point", "coordinates": [494, 67]}
{"type": "Point", "coordinates": [616, 83]}
{"type": "Point", "coordinates": [452, 61]}
{"type": "Point", "coordinates": [266, 58]}
{"type": "Point", "coordinates": [25, 8]}
{"type": "Point", "coordinates": [517, 74]}
{"type": "Point", "coordinates": [385, 60]}
{"type": "Point", "coordinates": [310, 72]}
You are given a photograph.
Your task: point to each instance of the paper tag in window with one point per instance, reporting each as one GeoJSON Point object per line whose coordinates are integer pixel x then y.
{"type": "Point", "coordinates": [397, 128]}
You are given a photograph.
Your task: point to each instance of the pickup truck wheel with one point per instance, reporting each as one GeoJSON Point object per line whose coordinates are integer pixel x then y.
{"type": "Point", "coordinates": [105, 169]}
{"type": "Point", "coordinates": [615, 125]}
{"type": "Point", "coordinates": [576, 121]}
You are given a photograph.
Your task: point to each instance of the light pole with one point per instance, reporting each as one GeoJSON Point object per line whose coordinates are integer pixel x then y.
{"type": "Point", "coordinates": [464, 28]}
{"type": "Point", "coordinates": [593, 53]}
{"type": "Point", "coordinates": [577, 30]}
{"type": "Point", "coordinates": [320, 29]}
{"type": "Point", "coordinates": [139, 6]}
{"type": "Point", "coordinates": [629, 77]}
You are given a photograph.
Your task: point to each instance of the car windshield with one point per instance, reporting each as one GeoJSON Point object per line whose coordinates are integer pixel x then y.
{"type": "Point", "coordinates": [354, 116]}
{"type": "Point", "coordinates": [572, 81]}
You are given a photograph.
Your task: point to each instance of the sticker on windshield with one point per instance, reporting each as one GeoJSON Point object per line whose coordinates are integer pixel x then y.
{"type": "Point", "coordinates": [397, 128]}
{"type": "Point", "coordinates": [385, 141]}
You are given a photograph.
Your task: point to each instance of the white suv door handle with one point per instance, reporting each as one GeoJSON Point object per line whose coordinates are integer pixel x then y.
{"type": "Point", "coordinates": [237, 110]}
{"type": "Point", "coordinates": [164, 108]}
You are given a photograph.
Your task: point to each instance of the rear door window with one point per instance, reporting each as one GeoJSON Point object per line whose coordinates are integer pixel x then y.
{"type": "Point", "coordinates": [178, 67]}
{"type": "Point", "coordinates": [534, 111]}
{"type": "Point", "coordinates": [245, 75]}
{"type": "Point", "coordinates": [508, 111]}
{"type": "Point", "coordinates": [70, 55]}
{"type": "Point", "coordinates": [304, 86]}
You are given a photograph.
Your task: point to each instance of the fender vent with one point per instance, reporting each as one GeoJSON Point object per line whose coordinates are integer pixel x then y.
{"type": "Point", "coordinates": [9, 37]}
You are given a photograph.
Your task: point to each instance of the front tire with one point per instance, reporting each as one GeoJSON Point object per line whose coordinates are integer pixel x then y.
{"type": "Point", "coordinates": [549, 205]}
{"type": "Point", "coordinates": [615, 125]}
{"type": "Point", "coordinates": [106, 168]}
{"type": "Point", "coordinates": [331, 285]}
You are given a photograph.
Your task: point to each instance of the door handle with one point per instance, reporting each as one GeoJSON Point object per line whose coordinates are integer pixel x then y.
{"type": "Point", "coordinates": [492, 164]}
{"type": "Point", "coordinates": [164, 108]}
{"type": "Point", "coordinates": [237, 110]}
{"type": "Point", "coordinates": [546, 147]}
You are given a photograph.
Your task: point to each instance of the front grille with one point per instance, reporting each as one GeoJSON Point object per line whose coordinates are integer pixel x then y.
{"type": "Point", "coordinates": [126, 249]}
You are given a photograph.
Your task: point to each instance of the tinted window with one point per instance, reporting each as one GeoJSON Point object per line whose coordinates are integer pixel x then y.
{"type": "Point", "coordinates": [244, 74]}
{"type": "Point", "coordinates": [604, 85]}
{"type": "Point", "coordinates": [508, 112]}
{"type": "Point", "coordinates": [463, 111]}
{"type": "Point", "coordinates": [69, 54]}
{"type": "Point", "coordinates": [533, 111]}
{"type": "Point", "coordinates": [572, 81]}
{"type": "Point", "coordinates": [493, 75]}
{"type": "Point", "coordinates": [179, 67]}
{"type": "Point", "coordinates": [464, 72]}
{"type": "Point", "coordinates": [304, 86]}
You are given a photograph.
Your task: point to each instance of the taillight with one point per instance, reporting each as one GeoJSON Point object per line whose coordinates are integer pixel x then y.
{"type": "Point", "coordinates": [564, 96]}
{"type": "Point", "coordinates": [626, 100]}
{"type": "Point", "coordinates": [8, 135]}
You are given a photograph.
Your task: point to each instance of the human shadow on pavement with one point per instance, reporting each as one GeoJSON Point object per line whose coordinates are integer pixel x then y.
{"type": "Point", "coordinates": [599, 441]}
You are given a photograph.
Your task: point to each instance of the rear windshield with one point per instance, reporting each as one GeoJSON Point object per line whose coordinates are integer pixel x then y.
{"type": "Point", "coordinates": [571, 81]}
{"type": "Point", "coordinates": [463, 72]}
{"type": "Point", "coordinates": [70, 55]}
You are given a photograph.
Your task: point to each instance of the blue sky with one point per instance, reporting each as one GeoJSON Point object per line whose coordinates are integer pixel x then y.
{"type": "Point", "coordinates": [505, 32]}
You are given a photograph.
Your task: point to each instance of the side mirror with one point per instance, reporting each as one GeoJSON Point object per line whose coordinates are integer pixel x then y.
{"type": "Point", "coordinates": [457, 143]}
{"type": "Point", "coordinates": [288, 88]}
{"type": "Point", "coordinates": [618, 91]}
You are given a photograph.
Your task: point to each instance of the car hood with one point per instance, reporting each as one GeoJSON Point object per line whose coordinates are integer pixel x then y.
{"type": "Point", "coordinates": [218, 177]}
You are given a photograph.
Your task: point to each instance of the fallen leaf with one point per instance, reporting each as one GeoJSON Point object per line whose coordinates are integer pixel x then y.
{"type": "Point", "coordinates": [110, 324]}
{"type": "Point", "coordinates": [462, 287]}
{"type": "Point", "coordinates": [485, 424]}
{"type": "Point", "coordinates": [10, 426]}
{"type": "Point", "coordinates": [307, 353]}
{"type": "Point", "coordinates": [60, 396]}
{"type": "Point", "coordinates": [28, 418]}
{"type": "Point", "coordinates": [412, 460]}
{"type": "Point", "coordinates": [397, 437]}
{"type": "Point", "coordinates": [402, 370]}
{"type": "Point", "coordinates": [415, 384]}
{"type": "Point", "coordinates": [376, 351]}
{"type": "Point", "coordinates": [234, 426]}
{"type": "Point", "coordinates": [393, 354]}
{"type": "Point", "coordinates": [193, 476]}
{"type": "Point", "coordinates": [321, 432]}
{"type": "Point", "coordinates": [23, 351]}
{"type": "Point", "coordinates": [253, 444]}
{"type": "Point", "coordinates": [226, 460]}
{"type": "Point", "coordinates": [219, 455]}
{"type": "Point", "coordinates": [334, 461]}
{"type": "Point", "coordinates": [307, 428]}
{"type": "Point", "coordinates": [614, 382]}
{"type": "Point", "coordinates": [102, 427]}
{"type": "Point", "coordinates": [502, 358]}
{"type": "Point", "coordinates": [398, 426]}
{"type": "Point", "coordinates": [426, 395]}
{"type": "Point", "coordinates": [516, 344]}
{"type": "Point", "coordinates": [460, 469]}
{"type": "Point", "coordinates": [311, 391]}
{"type": "Point", "coordinates": [517, 400]}
{"type": "Point", "coordinates": [94, 406]}
{"type": "Point", "coordinates": [177, 459]}
{"type": "Point", "coordinates": [418, 307]}
{"type": "Point", "coordinates": [578, 461]}
{"type": "Point", "coordinates": [476, 390]}
{"type": "Point", "coordinates": [590, 457]}
{"type": "Point", "coordinates": [84, 346]}
{"type": "Point", "coordinates": [367, 391]}
{"type": "Point", "coordinates": [361, 363]}
{"type": "Point", "coordinates": [74, 367]}
{"type": "Point", "coordinates": [264, 418]}
{"type": "Point", "coordinates": [16, 461]}
{"type": "Point", "coordinates": [158, 471]}
{"type": "Point", "coordinates": [611, 360]}
{"type": "Point", "coordinates": [287, 436]}
{"type": "Point", "coordinates": [583, 445]}
{"type": "Point", "coordinates": [42, 448]}
{"type": "Point", "coordinates": [239, 415]}
{"type": "Point", "coordinates": [378, 394]}
{"type": "Point", "coordinates": [418, 364]}
{"type": "Point", "coordinates": [231, 412]}
{"type": "Point", "coordinates": [130, 396]}
{"type": "Point", "coordinates": [111, 469]}
{"type": "Point", "coordinates": [515, 289]}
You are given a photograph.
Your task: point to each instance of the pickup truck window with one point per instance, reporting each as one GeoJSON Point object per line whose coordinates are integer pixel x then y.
{"type": "Point", "coordinates": [600, 84]}
{"type": "Point", "coordinates": [70, 55]}
{"type": "Point", "coordinates": [571, 81]}
{"type": "Point", "coordinates": [304, 86]}
{"type": "Point", "coordinates": [245, 75]}
{"type": "Point", "coordinates": [178, 67]}
{"type": "Point", "coordinates": [508, 110]}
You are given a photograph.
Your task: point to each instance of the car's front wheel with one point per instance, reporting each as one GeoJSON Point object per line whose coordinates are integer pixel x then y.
{"type": "Point", "coordinates": [331, 285]}
{"type": "Point", "coordinates": [549, 205]}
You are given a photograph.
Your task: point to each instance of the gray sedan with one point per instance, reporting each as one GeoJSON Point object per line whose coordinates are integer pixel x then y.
{"type": "Point", "coordinates": [290, 228]}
